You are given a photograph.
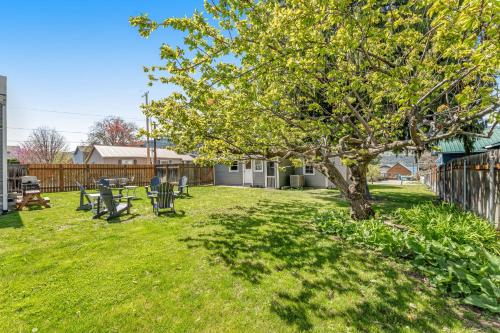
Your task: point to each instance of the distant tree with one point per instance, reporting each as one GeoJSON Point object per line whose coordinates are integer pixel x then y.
{"type": "Point", "coordinates": [373, 173]}
{"type": "Point", "coordinates": [113, 131]}
{"type": "Point", "coordinates": [44, 145]}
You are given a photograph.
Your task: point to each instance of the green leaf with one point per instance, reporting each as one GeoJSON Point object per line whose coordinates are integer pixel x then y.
{"type": "Point", "coordinates": [483, 301]}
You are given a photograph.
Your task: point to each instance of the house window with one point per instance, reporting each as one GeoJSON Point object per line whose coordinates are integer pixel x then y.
{"type": "Point", "coordinates": [127, 162]}
{"type": "Point", "coordinates": [308, 169]}
{"type": "Point", "coordinates": [258, 166]}
{"type": "Point", "coordinates": [234, 167]}
{"type": "Point", "coordinates": [165, 161]}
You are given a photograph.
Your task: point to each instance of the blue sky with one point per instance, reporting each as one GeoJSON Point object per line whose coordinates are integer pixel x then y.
{"type": "Point", "coordinates": [79, 56]}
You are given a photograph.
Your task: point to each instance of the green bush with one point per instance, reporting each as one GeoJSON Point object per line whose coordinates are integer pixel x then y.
{"type": "Point", "coordinates": [457, 264]}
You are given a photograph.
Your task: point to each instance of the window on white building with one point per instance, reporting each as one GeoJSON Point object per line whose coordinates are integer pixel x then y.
{"type": "Point", "coordinates": [127, 162]}
{"type": "Point", "coordinates": [258, 166]}
{"type": "Point", "coordinates": [308, 169]}
{"type": "Point", "coordinates": [234, 167]}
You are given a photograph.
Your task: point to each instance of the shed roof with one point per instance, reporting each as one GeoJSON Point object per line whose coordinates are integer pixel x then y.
{"type": "Point", "coordinates": [138, 152]}
{"type": "Point", "coordinates": [457, 146]}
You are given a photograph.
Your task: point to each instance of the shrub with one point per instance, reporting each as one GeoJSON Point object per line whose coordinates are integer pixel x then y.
{"type": "Point", "coordinates": [456, 264]}
{"type": "Point", "coordinates": [440, 221]}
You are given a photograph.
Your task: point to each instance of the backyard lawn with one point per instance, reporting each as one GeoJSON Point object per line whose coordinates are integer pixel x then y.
{"type": "Point", "coordinates": [231, 259]}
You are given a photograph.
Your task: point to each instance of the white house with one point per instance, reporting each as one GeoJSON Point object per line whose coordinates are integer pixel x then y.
{"type": "Point", "coordinates": [133, 155]}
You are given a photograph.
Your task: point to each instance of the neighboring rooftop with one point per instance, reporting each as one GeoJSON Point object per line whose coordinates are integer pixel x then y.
{"type": "Point", "coordinates": [139, 152]}
{"type": "Point", "coordinates": [457, 146]}
{"type": "Point", "coordinates": [84, 149]}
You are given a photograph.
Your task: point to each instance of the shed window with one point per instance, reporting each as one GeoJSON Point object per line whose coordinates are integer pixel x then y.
{"type": "Point", "coordinates": [258, 166]}
{"type": "Point", "coordinates": [234, 167]}
{"type": "Point", "coordinates": [308, 169]}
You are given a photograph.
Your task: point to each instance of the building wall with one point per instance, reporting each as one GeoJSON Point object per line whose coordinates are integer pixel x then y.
{"type": "Point", "coordinates": [96, 158]}
{"type": "Point", "coordinates": [78, 158]}
{"type": "Point", "coordinates": [259, 179]}
{"type": "Point", "coordinates": [3, 110]}
{"type": "Point", "coordinates": [285, 169]}
{"type": "Point", "coordinates": [319, 180]}
{"type": "Point", "coordinates": [224, 177]}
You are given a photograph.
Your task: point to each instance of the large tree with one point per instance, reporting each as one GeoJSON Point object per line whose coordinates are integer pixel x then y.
{"type": "Point", "coordinates": [113, 131]}
{"type": "Point", "coordinates": [44, 145]}
{"type": "Point", "coordinates": [318, 79]}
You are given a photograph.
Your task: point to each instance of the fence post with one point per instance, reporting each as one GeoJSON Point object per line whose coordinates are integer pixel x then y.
{"type": "Point", "coordinates": [491, 199]}
{"type": "Point", "coordinates": [61, 178]}
{"type": "Point", "coordinates": [451, 182]}
{"type": "Point", "coordinates": [464, 194]}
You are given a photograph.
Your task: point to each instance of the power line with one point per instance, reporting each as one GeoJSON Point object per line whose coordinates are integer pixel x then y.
{"type": "Point", "coordinates": [32, 129]}
{"type": "Point", "coordinates": [24, 141]}
{"type": "Point", "coordinates": [71, 113]}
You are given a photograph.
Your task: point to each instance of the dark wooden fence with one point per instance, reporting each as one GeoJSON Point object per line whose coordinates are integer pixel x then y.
{"type": "Point", "coordinates": [63, 177]}
{"type": "Point", "coordinates": [473, 182]}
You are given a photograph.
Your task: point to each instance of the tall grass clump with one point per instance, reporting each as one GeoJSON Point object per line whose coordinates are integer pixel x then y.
{"type": "Point", "coordinates": [455, 249]}
{"type": "Point", "coordinates": [444, 220]}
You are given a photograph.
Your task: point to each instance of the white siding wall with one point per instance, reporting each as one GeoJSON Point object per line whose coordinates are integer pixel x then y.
{"type": "Point", "coordinates": [3, 135]}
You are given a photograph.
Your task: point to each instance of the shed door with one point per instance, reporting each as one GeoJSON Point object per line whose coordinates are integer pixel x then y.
{"type": "Point", "coordinates": [248, 173]}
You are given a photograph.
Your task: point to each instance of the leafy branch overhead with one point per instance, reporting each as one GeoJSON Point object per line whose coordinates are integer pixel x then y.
{"type": "Point", "coordinates": [317, 79]}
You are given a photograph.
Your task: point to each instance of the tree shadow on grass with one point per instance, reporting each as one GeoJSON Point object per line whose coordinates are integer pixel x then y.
{"type": "Point", "coordinates": [332, 280]}
{"type": "Point", "coordinates": [11, 220]}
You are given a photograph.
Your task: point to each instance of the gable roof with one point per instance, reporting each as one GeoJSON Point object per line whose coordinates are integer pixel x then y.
{"type": "Point", "coordinates": [402, 165]}
{"type": "Point", "coordinates": [137, 152]}
{"type": "Point", "coordinates": [83, 149]}
{"type": "Point", "coordinates": [457, 146]}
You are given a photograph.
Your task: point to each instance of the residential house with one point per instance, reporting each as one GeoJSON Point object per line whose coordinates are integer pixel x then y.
{"type": "Point", "coordinates": [133, 155]}
{"type": "Point", "coordinates": [270, 174]}
{"type": "Point", "coordinates": [393, 165]}
{"type": "Point", "coordinates": [81, 154]}
{"type": "Point", "coordinates": [451, 149]}
{"type": "Point", "coordinates": [397, 171]}
{"type": "Point", "coordinates": [3, 144]}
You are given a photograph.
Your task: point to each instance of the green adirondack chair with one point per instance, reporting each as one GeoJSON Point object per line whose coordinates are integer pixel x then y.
{"type": "Point", "coordinates": [163, 199]}
{"type": "Point", "coordinates": [113, 205]}
{"type": "Point", "coordinates": [153, 187]}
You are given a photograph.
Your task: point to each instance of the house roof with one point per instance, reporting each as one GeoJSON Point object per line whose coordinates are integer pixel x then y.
{"type": "Point", "coordinates": [402, 165]}
{"type": "Point", "coordinates": [493, 146]}
{"type": "Point", "coordinates": [457, 146]}
{"type": "Point", "coordinates": [138, 152]}
{"type": "Point", "coordinates": [83, 149]}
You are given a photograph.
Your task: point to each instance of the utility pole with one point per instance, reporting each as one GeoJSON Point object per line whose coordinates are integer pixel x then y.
{"type": "Point", "coordinates": [155, 156]}
{"type": "Point", "coordinates": [148, 154]}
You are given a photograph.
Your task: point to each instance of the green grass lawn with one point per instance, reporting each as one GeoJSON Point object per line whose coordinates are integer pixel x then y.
{"type": "Point", "coordinates": [232, 259]}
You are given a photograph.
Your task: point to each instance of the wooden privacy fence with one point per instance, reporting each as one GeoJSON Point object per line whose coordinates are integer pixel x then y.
{"type": "Point", "coordinates": [63, 177]}
{"type": "Point", "coordinates": [473, 182]}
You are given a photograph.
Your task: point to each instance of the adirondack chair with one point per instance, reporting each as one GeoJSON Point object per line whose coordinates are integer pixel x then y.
{"type": "Point", "coordinates": [163, 198]}
{"type": "Point", "coordinates": [183, 187]}
{"type": "Point", "coordinates": [91, 198]}
{"type": "Point", "coordinates": [153, 186]}
{"type": "Point", "coordinates": [113, 205]}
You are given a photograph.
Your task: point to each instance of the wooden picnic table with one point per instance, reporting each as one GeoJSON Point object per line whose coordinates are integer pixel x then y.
{"type": "Point", "coordinates": [32, 198]}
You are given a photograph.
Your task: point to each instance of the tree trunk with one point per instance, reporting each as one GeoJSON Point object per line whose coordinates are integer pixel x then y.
{"type": "Point", "coordinates": [355, 191]}
{"type": "Point", "coordinates": [361, 208]}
